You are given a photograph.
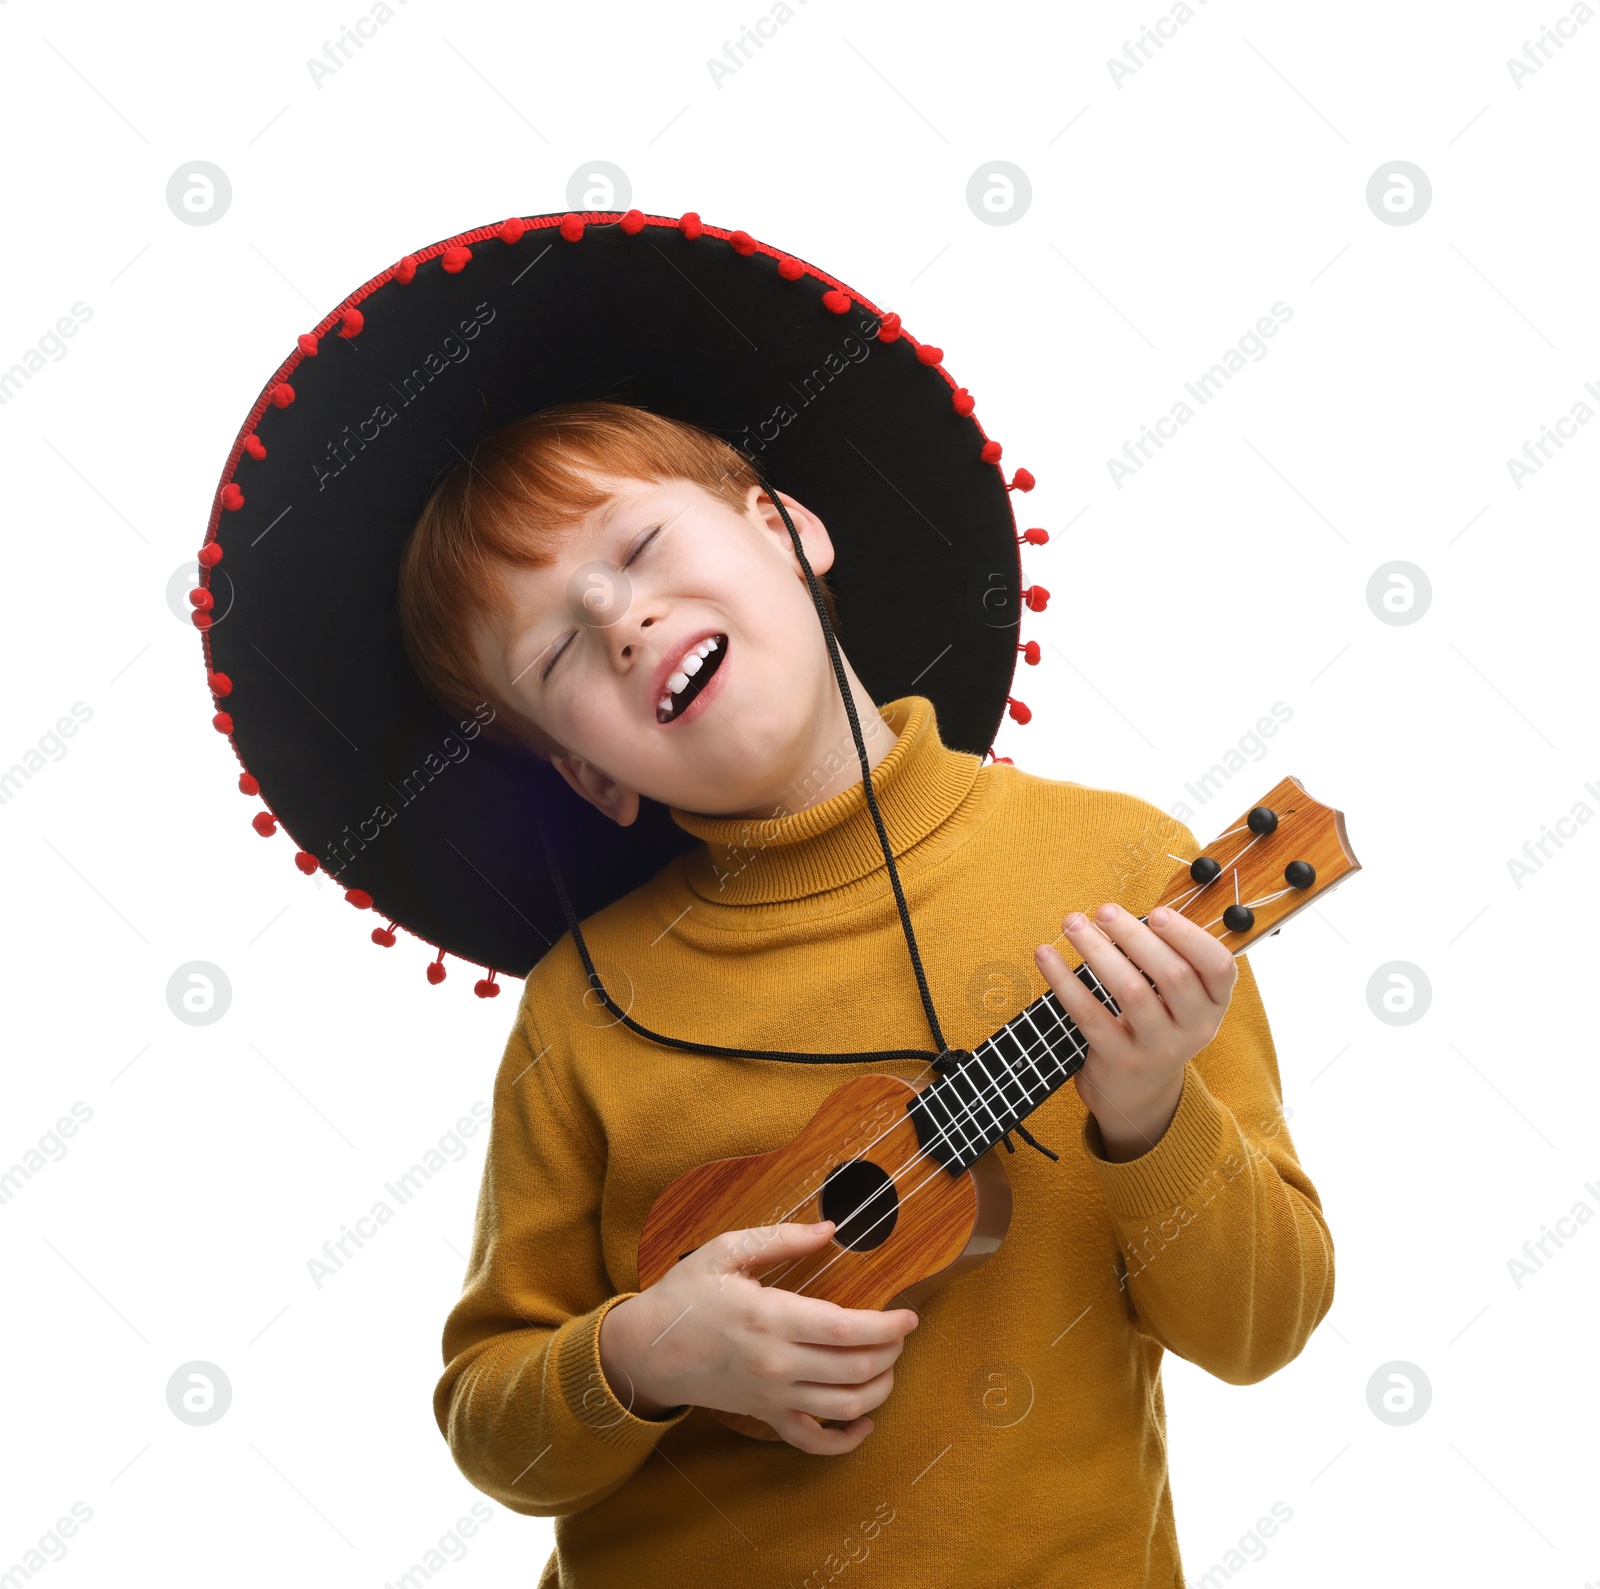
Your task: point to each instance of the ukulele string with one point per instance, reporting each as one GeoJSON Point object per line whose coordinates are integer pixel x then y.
{"type": "Point", "coordinates": [1185, 899]}
{"type": "Point", "coordinates": [901, 1201]}
{"type": "Point", "coordinates": [944, 1133]}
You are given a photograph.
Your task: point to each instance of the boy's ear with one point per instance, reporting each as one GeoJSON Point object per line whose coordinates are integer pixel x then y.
{"type": "Point", "coordinates": [813, 533]}
{"type": "Point", "coordinates": [600, 789]}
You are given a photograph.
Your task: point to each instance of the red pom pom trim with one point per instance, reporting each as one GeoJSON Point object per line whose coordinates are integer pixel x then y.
{"type": "Point", "coordinates": [436, 970]}
{"type": "Point", "coordinates": [929, 354]}
{"type": "Point", "coordinates": [743, 243]}
{"type": "Point", "coordinates": [203, 599]}
{"type": "Point", "coordinates": [1021, 481]}
{"type": "Point", "coordinates": [307, 344]}
{"type": "Point", "coordinates": [383, 937]}
{"type": "Point", "coordinates": [512, 231]}
{"type": "Point", "coordinates": [572, 230]}
{"type": "Point", "coordinates": [210, 555]}
{"type": "Point", "coordinates": [889, 328]}
{"type": "Point", "coordinates": [223, 723]}
{"type": "Point", "coordinates": [1006, 759]}
{"type": "Point", "coordinates": [1036, 597]}
{"type": "Point", "coordinates": [963, 402]}
{"type": "Point", "coordinates": [454, 260]}
{"type": "Point", "coordinates": [201, 620]}
{"type": "Point", "coordinates": [351, 323]}
{"type": "Point", "coordinates": [248, 784]}
{"type": "Point", "coordinates": [232, 497]}
{"type": "Point", "coordinates": [281, 395]}
{"type": "Point", "coordinates": [406, 269]}
{"type": "Point", "coordinates": [790, 268]}
{"type": "Point", "coordinates": [991, 452]}
{"type": "Point", "coordinates": [264, 823]}
{"type": "Point", "coordinates": [1035, 537]}
{"type": "Point", "coordinates": [835, 302]}
{"type": "Point", "coordinates": [1030, 652]}
{"type": "Point", "coordinates": [487, 987]}
{"type": "Point", "coordinates": [632, 222]}
{"type": "Point", "coordinates": [254, 445]}
{"type": "Point", "coordinates": [1018, 711]}
{"type": "Point", "coordinates": [689, 224]}
{"type": "Point", "coordinates": [220, 684]}
{"type": "Point", "coordinates": [359, 897]}
{"type": "Point", "coordinates": [306, 861]}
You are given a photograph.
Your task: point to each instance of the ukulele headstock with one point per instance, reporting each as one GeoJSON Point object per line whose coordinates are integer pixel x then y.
{"type": "Point", "coordinates": [1279, 856]}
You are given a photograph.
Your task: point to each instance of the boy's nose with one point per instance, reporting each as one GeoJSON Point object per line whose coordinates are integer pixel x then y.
{"type": "Point", "coordinates": [637, 646]}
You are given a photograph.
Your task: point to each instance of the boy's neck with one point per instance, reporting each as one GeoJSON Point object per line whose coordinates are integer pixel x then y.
{"type": "Point", "coordinates": [830, 763]}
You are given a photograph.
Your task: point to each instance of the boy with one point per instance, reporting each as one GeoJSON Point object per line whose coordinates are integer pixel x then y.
{"type": "Point", "coordinates": [622, 590]}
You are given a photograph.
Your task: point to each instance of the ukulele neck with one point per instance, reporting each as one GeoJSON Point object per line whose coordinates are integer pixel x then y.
{"type": "Point", "coordinates": [963, 1114]}
{"type": "Point", "coordinates": [1265, 868]}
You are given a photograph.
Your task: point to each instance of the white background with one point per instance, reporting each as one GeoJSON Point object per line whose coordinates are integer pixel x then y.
{"type": "Point", "coordinates": [1169, 212]}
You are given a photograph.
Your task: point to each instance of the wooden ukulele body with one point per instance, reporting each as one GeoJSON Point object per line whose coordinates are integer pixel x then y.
{"type": "Point", "coordinates": [857, 1162]}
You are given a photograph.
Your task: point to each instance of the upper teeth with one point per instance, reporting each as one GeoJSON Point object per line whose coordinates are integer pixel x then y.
{"type": "Point", "coordinates": [693, 661]}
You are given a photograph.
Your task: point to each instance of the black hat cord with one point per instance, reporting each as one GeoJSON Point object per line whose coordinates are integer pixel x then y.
{"type": "Point", "coordinates": [945, 1058]}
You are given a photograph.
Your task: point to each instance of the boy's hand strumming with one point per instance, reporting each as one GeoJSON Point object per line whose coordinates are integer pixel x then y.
{"type": "Point", "coordinates": [1132, 1077]}
{"type": "Point", "coordinates": [708, 1334]}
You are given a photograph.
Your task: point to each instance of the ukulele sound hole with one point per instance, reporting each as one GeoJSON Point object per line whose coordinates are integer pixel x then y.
{"type": "Point", "coordinates": [860, 1200]}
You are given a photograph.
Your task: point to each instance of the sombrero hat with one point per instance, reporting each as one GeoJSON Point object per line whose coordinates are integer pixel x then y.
{"type": "Point", "coordinates": [839, 406]}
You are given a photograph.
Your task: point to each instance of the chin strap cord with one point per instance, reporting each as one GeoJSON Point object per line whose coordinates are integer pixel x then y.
{"type": "Point", "coordinates": [866, 774]}
{"type": "Point", "coordinates": [943, 1058]}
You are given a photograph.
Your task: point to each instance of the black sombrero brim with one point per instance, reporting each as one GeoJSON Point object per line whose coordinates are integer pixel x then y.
{"type": "Point", "coordinates": [422, 816]}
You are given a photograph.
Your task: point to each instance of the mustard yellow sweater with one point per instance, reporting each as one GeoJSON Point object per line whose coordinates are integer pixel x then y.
{"type": "Point", "coordinates": [1024, 1441]}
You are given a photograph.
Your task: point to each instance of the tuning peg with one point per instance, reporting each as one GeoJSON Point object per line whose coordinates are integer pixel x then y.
{"type": "Point", "coordinates": [1299, 874]}
{"type": "Point", "coordinates": [1204, 869]}
{"type": "Point", "coordinates": [1238, 918]}
{"type": "Point", "coordinates": [1262, 820]}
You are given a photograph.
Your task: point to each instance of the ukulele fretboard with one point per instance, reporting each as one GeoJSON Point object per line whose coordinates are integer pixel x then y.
{"type": "Point", "coordinates": [963, 1114]}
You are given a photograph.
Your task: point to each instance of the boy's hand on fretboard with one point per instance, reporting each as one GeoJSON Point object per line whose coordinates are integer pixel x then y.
{"type": "Point", "coordinates": [1173, 982]}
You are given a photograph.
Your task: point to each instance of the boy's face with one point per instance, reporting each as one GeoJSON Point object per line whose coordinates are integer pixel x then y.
{"type": "Point", "coordinates": [597, 639]}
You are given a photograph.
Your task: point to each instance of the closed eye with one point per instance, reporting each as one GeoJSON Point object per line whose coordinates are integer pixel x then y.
{"type": "Point", "coordinates": [641, 546]}
{"type": "Point", "coordinates": [556, 655]}
{"type": "Point", "coordinates": [559, 652]}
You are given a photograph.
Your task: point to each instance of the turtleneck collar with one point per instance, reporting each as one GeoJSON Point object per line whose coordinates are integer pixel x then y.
{"type": "Point", "coordinates": [918, 784]}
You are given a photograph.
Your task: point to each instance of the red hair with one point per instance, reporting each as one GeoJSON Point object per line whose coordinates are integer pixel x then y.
{"type": "Point", "coordinates": [510, 505]}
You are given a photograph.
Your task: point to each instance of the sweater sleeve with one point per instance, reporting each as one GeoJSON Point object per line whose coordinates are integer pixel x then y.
{"type": "Point", "coordinates": [523, 1402]}
{"type": "Point", "coordinates": [1227, 1256]}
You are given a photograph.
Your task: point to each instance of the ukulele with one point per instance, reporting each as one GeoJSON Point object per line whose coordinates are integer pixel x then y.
{"type": "Point", "coordinates": [905, 1169]}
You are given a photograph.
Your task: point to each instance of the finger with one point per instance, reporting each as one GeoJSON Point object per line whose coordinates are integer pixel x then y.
{"type": "Point", "coordinates": [840, 1402]}
{"type": "Point", "coordinates": [1117, 974]}
{"type": "Point", "coordinates": [1100, 1028]}
{"type": "Point", "coordinates": [1212, 962]}
{"type": "Point", "coordinates": [819, 1323]}
{"type": "Point", "coordinates": [761, 1245]}
{"type": "Point", "coordinates": [805, 1433]}
{"type": "Point", "coordinates": [841, 1365]}
{"type": "Point", "coordinates": [1167, 971]}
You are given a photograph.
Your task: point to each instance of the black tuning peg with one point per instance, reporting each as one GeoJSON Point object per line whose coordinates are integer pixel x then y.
{"type": "Point", "coordinates": [1299, 874]}
{"type": "Point", "coordinates": [1204, 869]}
{"type": "Point", "coordinates": [1262, 820]}
{"type": "Point", "coordinates": [1238, 918]}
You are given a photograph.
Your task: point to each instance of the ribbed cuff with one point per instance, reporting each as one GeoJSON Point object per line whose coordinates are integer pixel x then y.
{"type": "Point", "coordinates": [589, 1394]}
{"type": "Point", "coordinates": [1188, 1152]}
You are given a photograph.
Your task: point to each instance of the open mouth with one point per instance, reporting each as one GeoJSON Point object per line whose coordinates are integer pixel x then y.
{"type": "Point", "coordinates": [692, 675]}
